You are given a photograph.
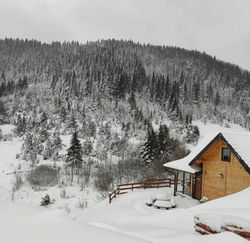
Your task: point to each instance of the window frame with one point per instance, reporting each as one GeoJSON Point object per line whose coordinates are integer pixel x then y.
{"type": "Point", "coordinates": [222, 157]}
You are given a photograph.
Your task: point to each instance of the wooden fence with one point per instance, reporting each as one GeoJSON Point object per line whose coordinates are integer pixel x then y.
{"type": "Point", "coordinates": [233, 224]}
{"type": "Point", "coordinates": [146, 184]}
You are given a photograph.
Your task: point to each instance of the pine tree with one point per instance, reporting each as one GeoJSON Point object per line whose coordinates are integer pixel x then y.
{"type": "Point", "coordinates": [20, 125]}
{"type": "Point", "coordinates": [217, 99]}
{"type": "Point", "coordinates": [29, 149]}
{"type": "Point", "coordinates": [48, 150]}
{"type": "Point", "coordinates": [72, 123]}
{"type": "Point", "coordinates": [196, 91]}
{"type": "Point", "coordinates": [132, 101]}
{"type": "Point", "coordinates": [87, 147]}
{"type": "Point", "coordinates": [3, 76]}
{"type": "Point", "coordinates": [149, 150]}
{"type": "Point", "coordinates": [182, 78]}
{"type": "Point", "coordinates": [74, 155]}
{"type": "Point", "coordinates": [53, 83]}
{"type": "Point", "coordinates": [162, 138]}
{"type": "Point", "coordinates": [185, 93]}
{"type": "Point", "coordinates": [3, 112]}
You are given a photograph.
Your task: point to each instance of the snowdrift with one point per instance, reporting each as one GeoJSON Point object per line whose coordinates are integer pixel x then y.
{"type": "Point", "coordinates": [230, 213]}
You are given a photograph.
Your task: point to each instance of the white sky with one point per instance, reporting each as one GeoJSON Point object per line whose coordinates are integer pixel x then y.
{"type": "Point", "coordinates": [219, 27]}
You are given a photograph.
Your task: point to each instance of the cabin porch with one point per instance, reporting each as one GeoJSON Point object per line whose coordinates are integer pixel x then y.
{"type": "Point", "coordinates": [189, 184]}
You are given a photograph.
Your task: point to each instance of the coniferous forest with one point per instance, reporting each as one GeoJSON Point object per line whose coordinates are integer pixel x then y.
{"type": "Point", "coordinates": [126, 105]}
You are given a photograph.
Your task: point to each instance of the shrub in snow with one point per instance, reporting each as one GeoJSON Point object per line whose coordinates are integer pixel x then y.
{"type": "Point", "coordinates": [192, 134]}
{"type": "Point", "coordinates": [81, 185]}
{"type": "Point", "coordinates": [45, 200]}
{"type": "Point", "coordinates": [1, 134]}
{"type": "Point", "coordinates": [226, 124]}
{"type": "Point", "coordinates": [83, 203]}
{"type": "Point", "coordinates": [18, 182]}
{"type": "Point", "coordinates": [104, 178]}
{"type": "Point", "coordinates": [67, 208]}
{"type": "Point", "coordinates": [63, 193]}
{"type": "Point", "coordinates": [86, 172]}
{"type": "Point", "coordinates": [43, 175]}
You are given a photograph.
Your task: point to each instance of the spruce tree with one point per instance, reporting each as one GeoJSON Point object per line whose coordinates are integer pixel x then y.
{"type": "Point", "coordinates": [74, 155]}
{"type": "Point", "coordinates": [162, 141]}
{"type": "Point", "coordinates": [3, 112]}
{"type": "Point", "coordinates": [217, 99]}
{"type": "Point", "coordinates": [149, 152]}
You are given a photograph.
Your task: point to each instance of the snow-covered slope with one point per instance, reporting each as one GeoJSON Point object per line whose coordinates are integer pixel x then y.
{"type": "Point", "coordinates": [129, 214]}
{"type": "Point", "coordinates": [127, 219]}
{"type": "Point", "coordinates": [26, 224]}
{"type": "Point", "coordinates": [237, 204]}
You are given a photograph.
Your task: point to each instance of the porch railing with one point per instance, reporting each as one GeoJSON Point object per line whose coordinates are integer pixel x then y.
{"type": "Point", "coordinates": [146, 184]}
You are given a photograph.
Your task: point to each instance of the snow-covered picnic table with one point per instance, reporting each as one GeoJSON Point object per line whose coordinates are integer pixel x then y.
{"type": "Point", "coordinates": [161, 201]}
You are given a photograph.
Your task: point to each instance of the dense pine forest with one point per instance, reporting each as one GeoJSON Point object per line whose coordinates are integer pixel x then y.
{"type": "Point", "coordinates": [130, 104]}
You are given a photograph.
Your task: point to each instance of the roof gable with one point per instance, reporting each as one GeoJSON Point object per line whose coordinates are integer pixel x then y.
{"type": "Point", "coordinates": [220, 136]}
{"type": "Point", "coordinates": [205, 149]}
{"type": "Point", "coordinates": [238, 143]}
{"type": "Point", "coordinates": [237, 150]}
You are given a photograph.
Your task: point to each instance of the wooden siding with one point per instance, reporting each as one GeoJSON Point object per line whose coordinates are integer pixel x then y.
{"type": "Point", "coordinates": [221, 178]}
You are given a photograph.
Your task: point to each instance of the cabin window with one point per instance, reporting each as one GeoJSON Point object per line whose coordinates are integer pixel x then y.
{"type": "Point", "coordinates": [225, 154]}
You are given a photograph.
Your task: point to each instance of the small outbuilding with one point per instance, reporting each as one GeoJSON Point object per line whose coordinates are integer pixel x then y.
{"type": "Point", "coordinates": [218, 166]}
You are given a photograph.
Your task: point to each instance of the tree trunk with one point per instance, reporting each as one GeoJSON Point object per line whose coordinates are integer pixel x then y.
{"type": "Point", "coordinates": [72, 174]}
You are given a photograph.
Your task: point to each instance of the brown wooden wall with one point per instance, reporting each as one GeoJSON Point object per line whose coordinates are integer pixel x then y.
{"type": "Point", "coordinates": [235, 177]}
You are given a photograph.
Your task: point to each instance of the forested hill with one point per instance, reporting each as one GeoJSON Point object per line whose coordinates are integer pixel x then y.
{"type": "Point", "coordinates": [183, 83]}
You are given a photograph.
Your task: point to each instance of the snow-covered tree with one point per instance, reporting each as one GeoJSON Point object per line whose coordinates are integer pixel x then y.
{"type": "Point", "coordinates": [74, 155]}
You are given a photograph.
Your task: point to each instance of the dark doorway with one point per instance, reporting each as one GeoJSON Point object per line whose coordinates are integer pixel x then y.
{"type": "Point", "coordinates": [197, 187]}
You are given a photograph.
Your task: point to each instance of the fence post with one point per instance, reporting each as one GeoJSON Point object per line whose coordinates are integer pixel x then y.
{"type": "Point", "coordinates": [132, 187]}
{"type": "Point", "coordinates": [110, 194]}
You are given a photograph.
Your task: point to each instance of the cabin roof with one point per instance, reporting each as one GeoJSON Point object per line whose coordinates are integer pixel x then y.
{"type": "Point", "coordinates": [239, 143]}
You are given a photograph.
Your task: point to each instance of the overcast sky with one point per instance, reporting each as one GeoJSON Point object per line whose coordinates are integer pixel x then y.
{"type": "Point", "coordinates": [219, 27]}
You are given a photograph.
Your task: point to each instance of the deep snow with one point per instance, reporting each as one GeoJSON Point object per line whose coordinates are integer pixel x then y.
{"type": "Point", "coordinates": [127, 219]}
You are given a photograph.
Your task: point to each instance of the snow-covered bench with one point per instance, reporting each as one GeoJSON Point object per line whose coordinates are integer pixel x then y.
{"type": "Point", "coordinates": [162, 204]}
{"type": "Point", "coordinates": [161, 201]}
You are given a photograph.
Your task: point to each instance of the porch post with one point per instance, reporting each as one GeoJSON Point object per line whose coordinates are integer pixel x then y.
{"type": "Point", "coordinates": [183, 182]}
{"type": "Point", "coordinates": [175, 181]}
{"type": "Point", "coordinates": [191, 185]}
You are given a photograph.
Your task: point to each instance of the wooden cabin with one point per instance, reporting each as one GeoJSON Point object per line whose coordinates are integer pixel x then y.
{"type": "Point", "coordinates": [218, 166]}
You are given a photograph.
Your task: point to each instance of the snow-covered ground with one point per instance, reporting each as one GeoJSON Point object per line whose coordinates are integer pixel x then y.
{"type": "Point", "coordinates": [129, 214]}
{"type": "Point", "coordinates": [27, 224]}
{"type": "Point", "coordinates": [127, 219]}
{"type": "Point", "coordinates": [210, 127]}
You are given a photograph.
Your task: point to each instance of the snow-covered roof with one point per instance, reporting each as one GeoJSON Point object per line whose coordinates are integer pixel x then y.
{"type": "Point", "coordinates": [238, 142]}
